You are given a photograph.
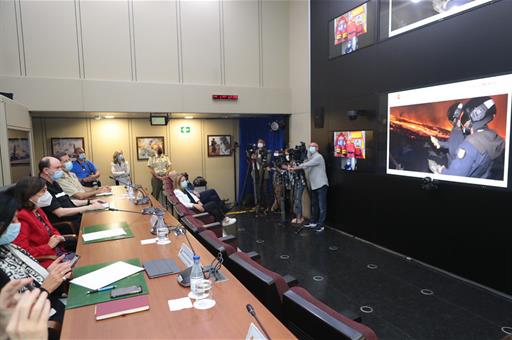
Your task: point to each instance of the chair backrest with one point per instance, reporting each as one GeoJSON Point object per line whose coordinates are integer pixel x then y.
{"type": "Point", "coordinates": [196, 225]}
{"type": "Point", "coordinates": [309, 318]}
{"type": "Point", "coordinates": [7, 187]}
{"type": "Point", "coordinates": [214, 245]}
{"type": "Point", "coordinates": [168, 186]}
{"type": "Point", "coordinates": [265, 284]}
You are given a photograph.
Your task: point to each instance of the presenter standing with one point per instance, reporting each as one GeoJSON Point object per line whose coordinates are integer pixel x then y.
{"type": "Point", "coordinates": [159, 165]}
{"type": "Point", "coordinates": [314, 166]}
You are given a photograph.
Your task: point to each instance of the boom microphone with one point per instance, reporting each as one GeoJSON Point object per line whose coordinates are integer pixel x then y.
{"type": "Point", "coordinates": [252, 311]}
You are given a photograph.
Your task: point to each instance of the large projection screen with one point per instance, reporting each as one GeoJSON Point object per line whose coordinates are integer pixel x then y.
{"type": "Point", "coordinates": [424, 142]}
{"type": "Point", "coordinates": [405, 15]}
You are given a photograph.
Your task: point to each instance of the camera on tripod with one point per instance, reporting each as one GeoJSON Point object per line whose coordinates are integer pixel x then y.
{"type": "Point", "coordinates": [253, 152]}
{"type": "Point", "coordinates": [280, 158]}
{"type": "Point", "coordinates": [299, 153]}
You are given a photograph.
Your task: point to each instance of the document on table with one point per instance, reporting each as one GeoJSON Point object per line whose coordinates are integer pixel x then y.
{"type": "Point", "coordinates": [105, 194]}
{"type": "Point", "coordinates": [106, 275]}
{"type": "Point", "coordinates": [98, 235]}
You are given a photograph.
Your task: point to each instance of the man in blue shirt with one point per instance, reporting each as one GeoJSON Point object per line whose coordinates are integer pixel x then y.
{"type": "Point", "coordinates": [85, 170]}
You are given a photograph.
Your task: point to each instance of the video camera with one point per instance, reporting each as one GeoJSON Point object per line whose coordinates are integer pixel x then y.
{"type": "Point", "coordinates": [253, 150]}
{"type": "Point", "coordinates": [280, 158]}
{"type": "Point", "coordinates": [299, 153]}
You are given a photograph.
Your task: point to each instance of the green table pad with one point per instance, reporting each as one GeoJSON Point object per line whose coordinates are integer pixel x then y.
{"type": "Point", "coordinates": [78, 297]}
{"type": "Point", "coordinates": [101, 227]}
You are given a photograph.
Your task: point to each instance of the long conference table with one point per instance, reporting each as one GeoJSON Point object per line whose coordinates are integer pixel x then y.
{"type": "Point", "coordinates": [228, 319]}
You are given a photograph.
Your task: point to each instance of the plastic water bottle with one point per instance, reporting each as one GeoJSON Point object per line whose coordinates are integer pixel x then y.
{"type": "Point", "coordinates": [131, 196]}
{"type": "Point", "coordinates": [196, 274]}
{"type": "Point", "coordinates": [162, 231]}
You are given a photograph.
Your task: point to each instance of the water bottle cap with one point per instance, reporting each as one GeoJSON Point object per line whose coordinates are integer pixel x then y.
{"type": "Point", "coordinates": [196, 257]}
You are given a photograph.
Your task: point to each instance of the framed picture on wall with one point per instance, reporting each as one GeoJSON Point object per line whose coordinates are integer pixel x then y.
{"type": "Point", "coordinates": [67, 144]}
{"type": "Point", "coordinates": [219, 145]}
{"type": "Point", "coordinates": [19, 151]}
{"type": "Point", "coordinates": [144, 145]}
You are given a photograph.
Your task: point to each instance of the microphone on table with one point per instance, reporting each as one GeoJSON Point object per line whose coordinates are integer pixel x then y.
{"type": "Point", "coordinates": [145, 199]}
{"type": "Point", "coordinates": [252, 311]}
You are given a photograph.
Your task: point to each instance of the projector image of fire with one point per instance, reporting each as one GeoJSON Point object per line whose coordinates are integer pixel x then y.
{"type": "Point", "coordinates": [411, 128]}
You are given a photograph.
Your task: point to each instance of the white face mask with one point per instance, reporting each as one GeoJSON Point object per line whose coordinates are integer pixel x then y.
{"type": "Point", "coordinates": [260, 145]}
{"type": "Point", "coordinates": [44, 200]}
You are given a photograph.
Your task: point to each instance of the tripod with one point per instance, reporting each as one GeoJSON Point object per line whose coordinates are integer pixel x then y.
{"type": "Point", "coordinates": [251, 167]}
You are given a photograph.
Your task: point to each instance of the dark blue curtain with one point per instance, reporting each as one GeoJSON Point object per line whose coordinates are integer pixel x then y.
{"type": "Point", "coordinates": [251, 129]}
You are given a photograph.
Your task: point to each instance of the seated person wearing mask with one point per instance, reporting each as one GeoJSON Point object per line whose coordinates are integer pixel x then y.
{"type": "Point", "coordinates": [56, 204]}
{"type": "Point", "coordinates": [120, 168]}
{"type": "Point", "coordinates": [85, 170]}
{"type": "Point", "coordinates": [191, 201]}
{"type": "Point", "coordinates": [72, 186]}
{"type": "Point", "coordinates": [37, 234]}
{"type": "Point", "coordinates": [16, 263]}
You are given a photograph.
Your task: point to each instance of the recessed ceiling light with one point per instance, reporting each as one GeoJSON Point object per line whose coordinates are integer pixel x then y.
{"type": "Point", "coordinates": [98, 117]}
{"type": "Point", "coordinates": [189, 117]}
{"type": "Point", "coordinates": [109, 117]}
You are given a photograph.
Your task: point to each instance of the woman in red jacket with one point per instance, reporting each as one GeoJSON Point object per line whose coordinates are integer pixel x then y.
{"type": "Point", "coordinates": [37, 235]}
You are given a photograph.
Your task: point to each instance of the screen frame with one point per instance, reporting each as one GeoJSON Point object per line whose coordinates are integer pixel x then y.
{"type": "Point", "coordinates": [446, 94]}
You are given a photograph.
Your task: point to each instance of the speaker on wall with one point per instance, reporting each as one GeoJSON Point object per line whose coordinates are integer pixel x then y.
{"type": "Point", "coordinates": [318, 118]}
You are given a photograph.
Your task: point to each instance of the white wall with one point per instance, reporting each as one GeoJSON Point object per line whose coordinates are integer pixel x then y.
{"type": "Point", "coordinates": [146, 55]}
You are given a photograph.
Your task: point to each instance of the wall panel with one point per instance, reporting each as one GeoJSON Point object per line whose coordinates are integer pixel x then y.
{"type": "Point", "coordinates": [156, 44]}
{"type": "Point", "coordinates": [275, 43]}
{"type": "Point", "coordinates": [200, 42]}
{"type": "Point", "coordinates": [107, 136]}
{"type": "Point", "coordinates": [106, 39]}
{"type": "Point", "coordinates": [219, 171]}
{"type": "Point", "coordinates": [241, 42]}
{"type": "Point", "coordinates": [9, 61]}
{"type": "Point", "coordinates": [50, 39]}
{"type": "Point", "coordinates": [185, 149]}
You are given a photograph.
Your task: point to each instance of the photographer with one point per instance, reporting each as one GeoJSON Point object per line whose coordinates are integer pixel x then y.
{"type": "Point", "coordinates": [297, 180]}
{"type": "Point", "coordinates": [281, 181]}
{"type": "Point", "coordinates": [258, 158]}
{"type": "Point", "coordinates": [315, 167]}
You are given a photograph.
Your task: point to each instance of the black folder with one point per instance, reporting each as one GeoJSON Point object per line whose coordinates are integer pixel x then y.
{"type": "Point", "coordinates": [160, 267]}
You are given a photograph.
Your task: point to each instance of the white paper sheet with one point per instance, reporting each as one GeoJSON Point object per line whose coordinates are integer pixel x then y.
{"type": "Point", "coordinates": [179, 304]}
{"type": "Point", "coordinates": [106, 275]}
{"type": "Point", "coordinates": [148, 241]}
{"type": "Point", "coordinates": [98, 235]}
{"type": "Point", "coordinates": [105, 194]}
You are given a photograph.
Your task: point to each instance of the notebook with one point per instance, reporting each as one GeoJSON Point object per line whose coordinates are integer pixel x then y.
{"type": "Point", "coordinates": [160, 267]}
{"type": "Point", "coordinates": [115, 308]}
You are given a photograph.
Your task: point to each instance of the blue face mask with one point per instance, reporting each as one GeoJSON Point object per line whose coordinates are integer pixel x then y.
{"type": "Point", "coordinates": [312, 149]}
{"type": "Point", "coordinates": [13, 230]}
{"type": "Point", "coordinates": [184, 184]}
{"type": "Point", "coordinates": [68, 166]}
{"type": "Point", "coordinates": [57, 175]}
{"type": "Point", "coordinates": [81, 156]}
{"type": "Point", "coordinates": [120, 158]}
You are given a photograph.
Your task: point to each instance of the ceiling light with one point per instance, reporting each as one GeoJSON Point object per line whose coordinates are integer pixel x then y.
{"type": "Point", "coordinates": [98, 117]}
{"type": "Point", "coordinates": [110, 117]}
{"type": "Point", "coordinates": [189, 117]}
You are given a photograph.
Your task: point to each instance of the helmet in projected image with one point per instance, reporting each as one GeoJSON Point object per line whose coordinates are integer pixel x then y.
{"type": "Point", "coordinates": [454, 112]}
{"type": "Point", "coordinates": [480, 111]}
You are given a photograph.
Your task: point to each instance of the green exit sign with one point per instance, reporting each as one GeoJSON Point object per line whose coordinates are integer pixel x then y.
{"type": "Point", "coordinates": [185, 129]}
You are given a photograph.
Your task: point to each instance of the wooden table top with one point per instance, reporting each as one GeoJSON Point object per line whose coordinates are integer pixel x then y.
{"type": "Point", "coordinates": [229, 318]}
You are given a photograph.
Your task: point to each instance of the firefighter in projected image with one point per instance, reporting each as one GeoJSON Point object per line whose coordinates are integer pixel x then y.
{"type": "Point", "coordinates": [457, 136]}
{"type": "Point", "coordinates": [481, 148]}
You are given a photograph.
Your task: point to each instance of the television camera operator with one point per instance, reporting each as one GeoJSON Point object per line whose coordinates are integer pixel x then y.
{"type": "Point", "coordinates": [317, 176]}
{"type": "Point", "coordinates": [290, 185]}
{"type": "Point", "coordinates": [258, 158]}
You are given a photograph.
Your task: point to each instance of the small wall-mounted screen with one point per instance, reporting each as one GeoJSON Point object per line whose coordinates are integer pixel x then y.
{"type": "Point", "coordinates": [158, 120]}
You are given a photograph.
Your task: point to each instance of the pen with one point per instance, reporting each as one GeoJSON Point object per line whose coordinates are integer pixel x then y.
{"type": "Point", "coordinates": [101, 289]}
